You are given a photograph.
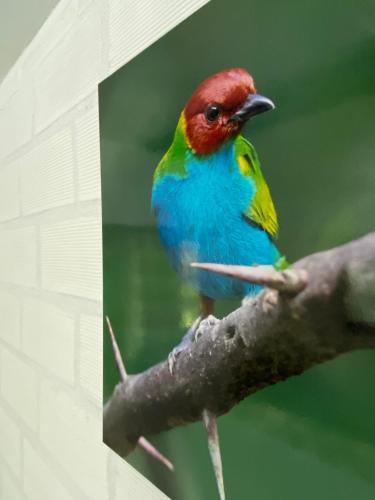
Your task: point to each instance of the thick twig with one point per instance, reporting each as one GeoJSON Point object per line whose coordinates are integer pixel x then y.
{"type": "Point", "coordinates": [142, 442]}
{"type": "Point", "coordinates": [259, 344]}
{"type": "Point", "coordinates": [290, 281]}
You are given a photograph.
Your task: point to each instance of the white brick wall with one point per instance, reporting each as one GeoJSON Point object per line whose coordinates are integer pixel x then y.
{"type": "Point", "coordinates": [16, 115]}
{"type": "Point", "coordinates": [70, 252]}
{"type": "Point", "coordinates": [10, 488]}
{"type": "Point", "coordinates": [50, 251]}
{"type": "Point", "coordinates": [90, 362]}
{"type": "Point", "coordinates": [70, 431]}
{"type": "Point", "coordinates": [10, 204]}
{"type": "Point", "coordinates": [56, 88]}
{"type": "Point", "coordinates": [47, 174]}
{"type": "Point", "coordinates": [18, 256]}
{"type": "Point", "coordinates": [39, 480]}
{"type": "Point", "coordinates": [19, 387]}
{"type": "Point", "coordinates": [88, 154]}
{"type": "Point", "coordinates": [48, 337]}
{"type": "Point", "coordinates": [10, 318]}
{"type": "Point", "coordinates": [10, 438]}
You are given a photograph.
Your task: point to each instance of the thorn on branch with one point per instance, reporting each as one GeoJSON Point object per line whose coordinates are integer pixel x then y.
{"type": "Point", "coordinates": [151, 450]}
{"type": "Point", "coordinates": [142, 442]}
{"type": "Point", "coordinates": [210, 423]}
{"type": "Point", "coordinates": [116, 351]}
{"type": "Point", "coordinates": [289, 281]}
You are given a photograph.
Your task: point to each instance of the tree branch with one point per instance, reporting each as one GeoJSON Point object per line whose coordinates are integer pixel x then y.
{"type": "Point", "coordinates": [273, 337]}
{"type": "Point", "coordinates": [142, 442]}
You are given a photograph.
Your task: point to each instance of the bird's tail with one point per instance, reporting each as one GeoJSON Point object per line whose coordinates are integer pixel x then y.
{"type": "Point", "coordinates": [209, 420]}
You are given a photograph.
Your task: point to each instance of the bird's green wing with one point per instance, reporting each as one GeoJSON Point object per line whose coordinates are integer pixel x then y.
{"type": "Point", "coordinates": [261, 209]}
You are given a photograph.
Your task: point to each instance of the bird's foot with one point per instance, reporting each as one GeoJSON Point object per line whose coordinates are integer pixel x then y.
{"type": "Point", "coordinates": [187, 339]}
{"type": "Point", "coordinates": [204, 325]}
{"type": "Point", "coordinates": [269, 300]}
{"type": "Point", "coordinates": [248, 300]}
{"type": "Point", "coordinates": [196, 331]}
{"type": "Point", "coordinates": [173, 355]}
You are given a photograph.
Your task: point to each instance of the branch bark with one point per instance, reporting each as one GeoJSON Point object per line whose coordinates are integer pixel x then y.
{"type": "Point", "coordinates": [142, 442]}
{"type": "Point", "coordinates": [273, 337]}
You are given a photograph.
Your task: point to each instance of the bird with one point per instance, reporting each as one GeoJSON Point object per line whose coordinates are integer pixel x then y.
{"type": "Point", "coordinates": [212, 203]}
{"type": "Point", "coordinates": [209, 196]}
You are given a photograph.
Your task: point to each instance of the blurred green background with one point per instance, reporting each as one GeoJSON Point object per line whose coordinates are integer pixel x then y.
{"type": "Point", "coordinates": [311, 437]}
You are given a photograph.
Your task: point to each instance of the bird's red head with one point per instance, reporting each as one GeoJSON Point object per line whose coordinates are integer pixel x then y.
{"type": "Point", "coordinates": [219, 107]}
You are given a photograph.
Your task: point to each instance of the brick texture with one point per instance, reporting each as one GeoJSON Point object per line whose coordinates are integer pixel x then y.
{"type": "Point", "coordinates": [10, 318]}
{"type": "Point", "coordinates": [70, 252]}
{"type": "Point", "coordinates": [40, 481]}
{"type": "Point", "coordinates": [51, 251]}
{"type": "Point", "coordinates": [10, 437]}
{"type": "Point", "coordinates": [19, 387]}
{"type": "Point", "coordinates": [47, 174]}
{"type": "Point", "coordinates": [48, 337]}
{"type": "Point", "coordinates": [18, 256]}
{"type": "Point", "coordinates": [90, 359]}
{"type": "Point", "coordinates": [10, 201]}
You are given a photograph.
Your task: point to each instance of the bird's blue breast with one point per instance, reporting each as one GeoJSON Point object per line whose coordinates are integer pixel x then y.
{"type": "Point", "coordinates": [200, 219]}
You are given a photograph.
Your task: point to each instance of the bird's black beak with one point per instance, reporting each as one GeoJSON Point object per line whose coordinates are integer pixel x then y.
{"type": "Point", "coordinates": [254, 105]}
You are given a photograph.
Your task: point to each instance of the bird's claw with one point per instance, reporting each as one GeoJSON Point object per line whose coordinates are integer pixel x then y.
{"type": "Point", "coordinates": [172, 358]}
{"type": "Point", "coordinates": [204, 325]}
{"type": "Point", "coordinates": [187, 339]}
{"type": "Point", "coordinates": [269, 300]}
{"type": "Point", "coordinates": [195, 332]}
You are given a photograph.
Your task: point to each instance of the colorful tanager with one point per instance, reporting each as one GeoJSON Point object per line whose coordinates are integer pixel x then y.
{"type": "Point", "coordinates": [210, 199]}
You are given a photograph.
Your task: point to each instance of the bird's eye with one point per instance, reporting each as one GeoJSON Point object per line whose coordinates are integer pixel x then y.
{"type": "Point", "coordinates": [212, 112]}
